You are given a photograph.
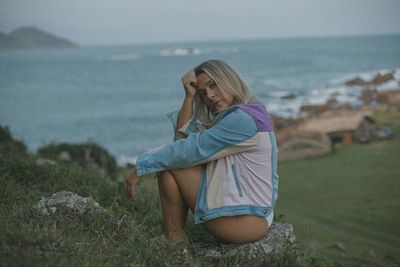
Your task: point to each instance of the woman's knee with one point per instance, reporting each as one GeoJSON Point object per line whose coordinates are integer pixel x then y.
{"type": "Point", "coordinates": [166, 182]}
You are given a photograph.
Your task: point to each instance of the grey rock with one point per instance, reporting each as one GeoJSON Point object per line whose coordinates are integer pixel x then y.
{"type": "Point", "coordinates": [370, 253]}
{"type": "Point", "coordinates": [339, 246]}
{"type": "Point", "coordinates": [65, 201]}
{"type": "Point", "coordinates": [279, 241]}
{"type": "Point", "coordinates": [64, 156]}
{"type": "Point", "coordinates": [43, 161]}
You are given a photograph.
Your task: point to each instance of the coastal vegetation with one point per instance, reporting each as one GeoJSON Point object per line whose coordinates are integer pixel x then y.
{"type": "Point", "coordinates": [344, 208]}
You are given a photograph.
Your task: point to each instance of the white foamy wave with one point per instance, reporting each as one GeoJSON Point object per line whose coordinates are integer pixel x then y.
{"type": "Point", "coordinates": [279, 93]}
{"type": "Point", "coordinates": [180, 52]}
{"type": "Point", "coordinates": [273, 83]}
{"type": "Point", "coordinates": [196, 51]}
{"type": "Point", "coordinates": [286, 108]}
{"type": "Point", "coordinates": [397, 74]}
{"type": "Point", "coordinates": [388, 86]}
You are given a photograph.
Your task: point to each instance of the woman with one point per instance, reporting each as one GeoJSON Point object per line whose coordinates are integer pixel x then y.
{"type": "Point", "coordinates": [223, 162]}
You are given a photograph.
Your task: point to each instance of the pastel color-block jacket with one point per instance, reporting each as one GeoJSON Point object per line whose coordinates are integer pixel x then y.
{"type": "Point", "coordinates": [240, 155]}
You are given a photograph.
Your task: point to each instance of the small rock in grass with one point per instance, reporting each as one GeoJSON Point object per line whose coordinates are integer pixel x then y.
{"type": "Point", "coordinates": [340, 246]}
{"type": "Point", "coordinates": [65, 201]}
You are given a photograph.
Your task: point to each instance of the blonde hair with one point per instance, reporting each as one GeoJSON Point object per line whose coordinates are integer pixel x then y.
{"type": "Point", "coordinates": [227, 80]}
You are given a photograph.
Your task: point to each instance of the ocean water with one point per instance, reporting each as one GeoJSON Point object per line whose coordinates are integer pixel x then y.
{"type": "Point", "coordinates": [118, 96]}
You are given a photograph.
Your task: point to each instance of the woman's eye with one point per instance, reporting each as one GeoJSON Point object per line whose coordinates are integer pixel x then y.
{"type": "Point", "coordinates": [213, 85]}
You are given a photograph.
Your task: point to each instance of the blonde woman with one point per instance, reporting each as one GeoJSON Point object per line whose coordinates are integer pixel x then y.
{"type": "Point", "coordinates": [223, 162]}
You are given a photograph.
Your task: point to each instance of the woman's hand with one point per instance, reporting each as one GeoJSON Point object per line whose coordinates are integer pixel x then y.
{"type": "Point", "coordinates": [189, 81]}
{"type": "Point", "coordinates": [131, 181]}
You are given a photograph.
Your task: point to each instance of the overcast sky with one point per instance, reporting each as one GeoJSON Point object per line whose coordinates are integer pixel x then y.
{"type": "Point", "coordinates": [107, 22]}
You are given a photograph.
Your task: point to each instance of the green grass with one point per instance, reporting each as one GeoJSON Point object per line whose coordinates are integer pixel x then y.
{"type": "Point", "coordinates": [125, 235]}
{"type": "Point", "coordinates": [351, 196]}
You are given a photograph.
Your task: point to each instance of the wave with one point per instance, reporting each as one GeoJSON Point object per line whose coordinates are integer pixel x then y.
{"type": "Point", "coordinates": [196, 51]}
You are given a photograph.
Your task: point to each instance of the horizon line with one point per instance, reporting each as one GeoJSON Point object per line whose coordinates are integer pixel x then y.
{"type": "Point", "coordinates": [298, 37]}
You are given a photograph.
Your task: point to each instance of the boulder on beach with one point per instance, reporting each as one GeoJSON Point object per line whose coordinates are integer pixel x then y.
{"type": "Point", "coordinates": [357, 81]}
{"type": "Point", "coordinates": [378, 79]}
{"type": "Point", "coordinates": [382, 78]}
{"type": "Point", "coordinates": [279, 243]}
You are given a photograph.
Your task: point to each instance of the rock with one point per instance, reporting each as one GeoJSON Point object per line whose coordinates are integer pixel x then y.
{"type": "Point", "coordinates": [355, 82]}
{"type": "Point", "coordinates": [42, 161]}
{"type": "Point", "coordinates": [312, 110]}
{"type": "Point", "coordinates": [377, 80]}
{"type": "Point", "coordinates": [288, 96]}
{"type": "Point", "coordinates": [281, 123]}
{"type": "Point", "coordinates": [295, 144]}
{"type": "Point", "coordinates": [368, 94]}
{"type": "Point", "coordinates": [68, 202]}
{"type": "Point", "coordinates": [279, 241]}
{"type": "Point", "coordinates": [64, 156]}
{"type": "Point", "coordinates": [370, 253]}
{"type": "Point", "coordinates": [339, 246]}
{"type": "Point", "coordinates": [382, 78]}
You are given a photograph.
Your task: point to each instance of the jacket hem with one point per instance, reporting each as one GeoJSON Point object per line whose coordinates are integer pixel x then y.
{"type": "Point", "coordinates": [201, 217]}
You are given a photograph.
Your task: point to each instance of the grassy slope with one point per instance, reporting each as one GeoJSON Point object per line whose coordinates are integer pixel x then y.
{"type": "Point", "coordinates": [351, 196]}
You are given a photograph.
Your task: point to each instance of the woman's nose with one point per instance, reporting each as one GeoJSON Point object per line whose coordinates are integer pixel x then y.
{"type": "Point", "coordinates": [210, 94]}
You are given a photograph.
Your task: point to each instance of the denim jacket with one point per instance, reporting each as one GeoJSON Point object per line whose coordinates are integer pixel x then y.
{"type": "Point", "coordinates": [240, 155]}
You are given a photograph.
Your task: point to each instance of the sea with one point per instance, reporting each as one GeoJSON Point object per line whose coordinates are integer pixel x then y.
{"type": "Point", "coordinates": [118, 96]}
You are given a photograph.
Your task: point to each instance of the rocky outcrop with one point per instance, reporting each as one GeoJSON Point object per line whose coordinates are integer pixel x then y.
{"type": "Point", "coordinates": [295, 144]}
{"type": "Point", "coordinates": [89, 156]}
{"type": "Point", "coordinates": [378, 79]}
{"type": "Point", "coordinates": [276, 245]}
{"type": "Point", "coordinates": [32, 38]}
{"type": "Point", "coordinates": [68, 202]}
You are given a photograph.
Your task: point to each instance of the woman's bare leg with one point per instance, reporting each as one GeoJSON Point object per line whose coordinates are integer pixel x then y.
{"type": "Point", "coordinates": [235, 229]}
{"type": "Point", "coordinates": [174, 208]}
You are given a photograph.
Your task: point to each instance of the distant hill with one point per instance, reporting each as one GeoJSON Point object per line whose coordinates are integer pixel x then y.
{"type": "Point", "coordinates": [32, 38]}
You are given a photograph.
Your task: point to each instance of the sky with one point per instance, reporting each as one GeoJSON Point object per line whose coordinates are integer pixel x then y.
{"type": "Point", "coordinates": [105, 22]}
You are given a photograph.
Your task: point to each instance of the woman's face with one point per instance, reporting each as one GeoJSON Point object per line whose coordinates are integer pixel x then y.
{"type": "Point", "coordinates": [211, 95]}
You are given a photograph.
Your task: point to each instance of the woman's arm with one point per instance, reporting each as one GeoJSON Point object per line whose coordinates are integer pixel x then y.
{"type": "Point", "coordinates": [189, 82]}
{"type": "Point", "coordinates": [232, 134]}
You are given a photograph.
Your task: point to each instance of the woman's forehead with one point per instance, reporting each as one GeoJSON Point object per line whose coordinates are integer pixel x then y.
{"type": "Point", "coordinates": [203, 80]}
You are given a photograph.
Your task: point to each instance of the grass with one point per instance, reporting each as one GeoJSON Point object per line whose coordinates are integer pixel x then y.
{"type": "Point", "coordinates": [350, 197]}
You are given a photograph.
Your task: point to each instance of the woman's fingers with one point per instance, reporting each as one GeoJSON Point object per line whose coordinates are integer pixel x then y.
{"type": "Point", "coordinates": [131, 181]}
{"type": "Point", "coordinates": [189, 81]}
{"type": "Point", "coordinates": [128, 189]}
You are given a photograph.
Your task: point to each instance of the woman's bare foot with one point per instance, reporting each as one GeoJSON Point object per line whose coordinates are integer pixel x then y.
{"type": "Point", "coordinates": [176, 238]}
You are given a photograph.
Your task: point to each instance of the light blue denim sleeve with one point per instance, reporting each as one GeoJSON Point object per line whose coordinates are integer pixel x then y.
{"type": "Point", "coordinates": [232, 129]}
{"type": "Point", "coordinates": [188, 128]}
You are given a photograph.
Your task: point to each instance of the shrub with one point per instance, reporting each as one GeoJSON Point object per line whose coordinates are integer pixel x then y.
{"type": "Point", "coordinates": [87, 156]}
